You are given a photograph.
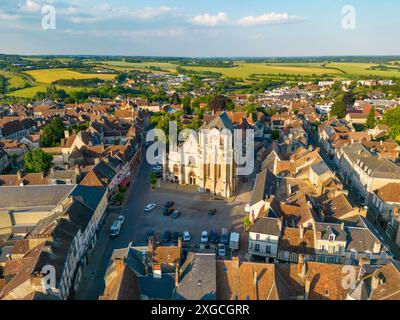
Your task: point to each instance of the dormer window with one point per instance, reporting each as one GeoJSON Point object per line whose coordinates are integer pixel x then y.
{"type": "Point", "coordinates": [332, 237]}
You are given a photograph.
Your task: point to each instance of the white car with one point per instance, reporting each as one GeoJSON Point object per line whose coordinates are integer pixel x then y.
{"type": "Point", "coordinates": [121, 219]}
{"type": "Point", "coordinates": [150, 207]}
{"type": "Point", "coordinates": [186, 236]}
{"type": "Point", "coordinates": [115, 228]}
{"type": "Point", "coordinates": [204, 237]}
{"type": "Point", "coordinates": [221, 250]}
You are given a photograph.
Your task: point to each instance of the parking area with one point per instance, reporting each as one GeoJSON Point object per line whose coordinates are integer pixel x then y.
{"type": "Point", "coordinates": [194, 217]}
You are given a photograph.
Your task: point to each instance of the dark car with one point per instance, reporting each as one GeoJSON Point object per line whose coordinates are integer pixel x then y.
{"type": "Point", "coordinates": [212, 212]}
{"type": "Point", "coordinates": [166, 236]}
{"type": "Point", "coordinates": [169, 204]}
{"type": "Point", "coordinates": [176, 214]}
{"type": "Point", "coordinates": [149, 234]}
{"type": "Point", "coordinates": [176, 236]}
{"type": "Point", "coordinates": [167, 211]}
{"type": "Point", "coordinates": [213, 237]}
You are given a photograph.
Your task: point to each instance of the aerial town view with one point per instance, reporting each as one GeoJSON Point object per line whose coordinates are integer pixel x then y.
{"type": "Point", "coordinates": [186, 150]}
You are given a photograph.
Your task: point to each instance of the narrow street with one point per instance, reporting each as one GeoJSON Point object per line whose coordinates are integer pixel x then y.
{"type": "Point", "coordinates": [92, 282]}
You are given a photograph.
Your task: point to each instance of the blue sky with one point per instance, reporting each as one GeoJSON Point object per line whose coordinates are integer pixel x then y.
{"type": "Point", "coordinates": [201, 27]}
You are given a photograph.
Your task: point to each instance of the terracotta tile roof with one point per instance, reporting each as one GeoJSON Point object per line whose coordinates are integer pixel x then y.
{"type": "Point", "coordinates": [167, 255]}
{"type": "Point", "coordinates": [389, 192]}
{"type": "Point", "coordinates": [123, 285]}
{"type": "Point", "coordinates": [246, 281]}
{"type": "Point", "coordinates": [390, 288]}
{"type": "Point", "coordinates": [293, 242]}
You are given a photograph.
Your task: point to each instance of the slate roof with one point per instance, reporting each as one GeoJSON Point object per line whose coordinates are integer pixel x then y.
{"type": "Point", "coordinates": [198, 278]}
{"type": "Point", "coordinates": [266, 225]}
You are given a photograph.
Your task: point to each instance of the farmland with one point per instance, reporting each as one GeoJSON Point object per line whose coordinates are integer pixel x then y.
{"type": "Point", "coordinates": [51, 75]}
{"type": "Point", "coordinates": [44, 77]}
{"type": "Point", "coordinates": [338, 70]}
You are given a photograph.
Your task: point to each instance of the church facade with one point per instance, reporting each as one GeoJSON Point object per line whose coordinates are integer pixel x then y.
{"type": "Point", "coordinates": [206, 160]}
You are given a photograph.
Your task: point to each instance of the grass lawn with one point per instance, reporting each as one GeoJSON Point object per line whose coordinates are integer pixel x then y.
{"type": "Point", "coordinates": [361, 69]}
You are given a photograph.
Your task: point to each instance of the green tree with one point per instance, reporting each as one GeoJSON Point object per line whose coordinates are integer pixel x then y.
{"type": "Point", "coordinates": [371, 120]}
{"type": "Point", "coordinates": [52, 133]}
{"type": "Point", "coordinates": [153, 180]}
{"type": "Point", "coordinates": [275, 135]}
{"type": "Point", "coordinates": [338, 109]}
{"type": "Point", "coordinates": [38, 161]}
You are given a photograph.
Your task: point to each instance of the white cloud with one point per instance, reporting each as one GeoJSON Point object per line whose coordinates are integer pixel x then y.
{"type": "Point", "coordinates": [31, 6]}
{"type": "Point", "coordinates": [268, 18]}
{"type": "Point", "coordinates": [210, 20]}
{"type": "Point", "coordinates": [106, 12]}
{"type": "Point", "coordinates": [8, 17]}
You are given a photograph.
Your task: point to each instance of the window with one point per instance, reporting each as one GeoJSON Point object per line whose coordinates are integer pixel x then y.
{"type": "Point", "coordinates": [268, 249]}
{"type": "Point", "coordinates": [323, 248]}
{"type": "Point", "coordinates": [331, 237]}
{"type": "Point", "coordinates": [257, 236]}
{"type": "Point", "coordinates": [257, 247]}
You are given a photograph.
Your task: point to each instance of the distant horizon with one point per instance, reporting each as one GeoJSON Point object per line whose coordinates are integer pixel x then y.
{"type": "Point", "coordinates": [203, 57]}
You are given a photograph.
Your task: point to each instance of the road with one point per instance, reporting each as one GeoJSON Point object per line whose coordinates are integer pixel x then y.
{"type": "Point", "coordinates": [92, 283]}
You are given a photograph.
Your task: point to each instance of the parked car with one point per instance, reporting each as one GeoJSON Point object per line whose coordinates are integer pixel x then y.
{"type": "Point", "coordinates": [176, 214]}
{"type": "Point", "coordinates": [204, 237]}
{"type": "Point", "coordinates": [214, 237]}
{"type": "Point", "coordinates": [224, 236]}
{"type": "Point", "coordinates": [115, 228]}
{"type": "Point", "coordinates": [149, 234]}
{"type": "Point", "coordinates": [186, 236]}
{"type": "Point", "coordinates": [150, 207]}
{"type": "Point", "coordinates": [175, 236]}
{"type": "Point", "coordinates": [212, 212]}
{"type": "Point", "coordinates": [166, 236]}
{"type": "Point", "coordinates": [121, 218]}
{"type": "Point", "coordinates": [169, 204]}
{"type": "Point", "coordinates": [221, 250]}
{"type": "Point", "coordinates": [167, 211]}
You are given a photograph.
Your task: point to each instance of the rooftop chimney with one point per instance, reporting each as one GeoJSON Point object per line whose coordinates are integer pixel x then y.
{"type": "Point", "coordinates": [119, 265]}
{"type": "Point", "coordinates": [176, 275]}
{"type": "Point", "coordinates": [66, 134]}
{"type": "Point", "coordinates": [301, 229]}
{"type": "Point", "coordinates": [377, 279]}
{"type": "Point", "coordinates": [377, 247]}
{"type": "Point", "coordinates": [301, 266]}
{"type": "Point", "coordinates": [236, 262]}
{"type": "Point", "coordinates": [307, 286]}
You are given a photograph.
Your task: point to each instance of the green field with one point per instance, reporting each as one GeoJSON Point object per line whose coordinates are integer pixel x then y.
{"type": "Point", "coordinates": [50, 75]}
{"type": "Point", "coordinates": [14, 80]}
{"type": "Point", "coordinates": [245, 70]}
{"type": "Point", "coordinates": [44, 77]}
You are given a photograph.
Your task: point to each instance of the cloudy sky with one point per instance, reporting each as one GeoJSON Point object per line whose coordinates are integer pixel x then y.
{"type": "Point", "coordinates": [202, 27]}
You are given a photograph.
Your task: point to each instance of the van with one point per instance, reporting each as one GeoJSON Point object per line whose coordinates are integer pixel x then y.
{"type": "Point", "coordinates": [224, 239]}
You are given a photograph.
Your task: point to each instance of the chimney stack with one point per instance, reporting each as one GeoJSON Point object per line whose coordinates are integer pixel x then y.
{"type": "Point", "coordinates": [377, 279]}
{"type": "Point", "coordinates": [307, 286]}
{"type": "Point", "coordinates": [150, 248]}
{"type": "Point", "coordinates": [236, 262]}
{"type": "Point", "coordinates": [377, 247]}
{"type": "Point", "coordinates": [301, 231]}
{"type": "Point", "coordinates": [66, 134]}
{"type": "Point", "coordinates": [119, 265]}
{"type": "Point", "coordinates": [176, 275]}
{"type": "Point", "coordinates": [301, 266]}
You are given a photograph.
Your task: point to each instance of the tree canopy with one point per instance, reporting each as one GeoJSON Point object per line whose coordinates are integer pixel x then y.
{"type": "Point", "coordinates": [52, 133]}
{"type": "Point", "coordinates": [37, 161]}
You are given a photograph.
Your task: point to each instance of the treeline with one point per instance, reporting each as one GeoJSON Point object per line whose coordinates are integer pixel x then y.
{"type": "Point", "coordinates": [91, 82]}
{"type": "Point", "coordinates": [3, 84]}
{"type": "Point", "coordinates": [205, 73]}
{"type": "Point", "coordinates": [216, 63]}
